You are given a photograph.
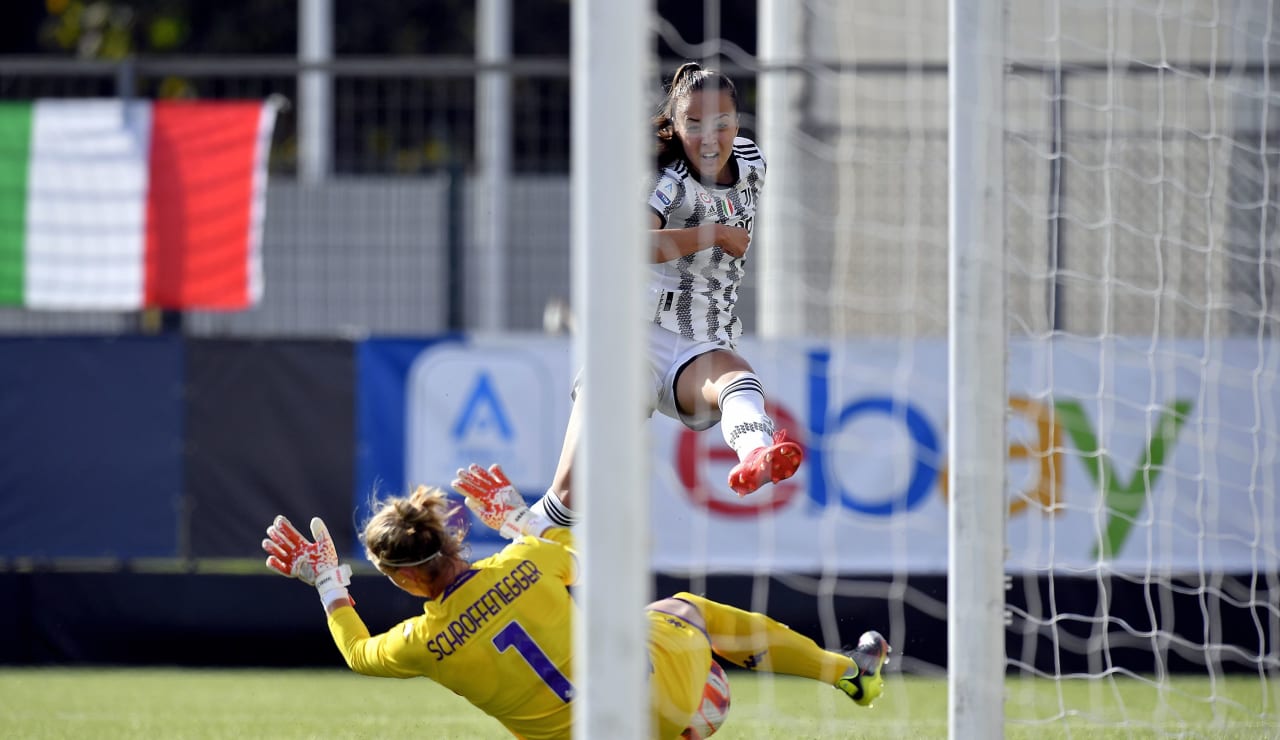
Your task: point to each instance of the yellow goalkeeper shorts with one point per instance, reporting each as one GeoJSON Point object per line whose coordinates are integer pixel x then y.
{"type": "Point", "coordinates": [679, 661]}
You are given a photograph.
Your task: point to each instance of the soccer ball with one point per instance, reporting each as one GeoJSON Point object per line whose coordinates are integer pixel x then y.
{"type": "Point", "coordinates": [714, 707]}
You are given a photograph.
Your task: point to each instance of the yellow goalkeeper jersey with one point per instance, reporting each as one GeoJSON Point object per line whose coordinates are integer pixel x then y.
{"type": "Point", "coordinates": [499, 636]}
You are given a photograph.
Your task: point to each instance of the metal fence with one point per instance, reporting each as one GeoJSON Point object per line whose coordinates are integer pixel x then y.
{"type": "Point", "coordinates": [1139, 202]}
{"type": "Point", "coordinates": [381, 245]}
{"type": "Point", "coordinates": [391, 116]}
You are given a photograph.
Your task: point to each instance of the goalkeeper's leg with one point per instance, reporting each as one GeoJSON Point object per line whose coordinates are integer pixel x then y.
{"type": "Point", "coordinates": [758, 643]}
{"type": "Point", "coordinates": [679, 659]}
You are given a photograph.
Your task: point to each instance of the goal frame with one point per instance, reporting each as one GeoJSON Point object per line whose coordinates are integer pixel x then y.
{"type": "Point", "coordinates": [976, 383]}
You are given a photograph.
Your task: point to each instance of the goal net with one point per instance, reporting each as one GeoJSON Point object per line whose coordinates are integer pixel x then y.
{"type": "Point", "coordinates": [1143, 415]}
{"type": "Point", "coordinates": [1142, 364]}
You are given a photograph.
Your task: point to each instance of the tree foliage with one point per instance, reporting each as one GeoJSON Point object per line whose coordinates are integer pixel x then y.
{"type": "Point", "coordinates": [112, 29]}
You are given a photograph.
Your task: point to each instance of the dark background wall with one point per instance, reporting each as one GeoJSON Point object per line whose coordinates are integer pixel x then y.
{"type": "Point", "coordinates": [135, 447]}
{"type": "Point", "coordinates": [269, 430]}
{"type": "Point", "coordinates": [137, 476]}
{"type": "Point", "coordinates": [127, 618]}
{"type": "Point", "coordinates": [91, 447]}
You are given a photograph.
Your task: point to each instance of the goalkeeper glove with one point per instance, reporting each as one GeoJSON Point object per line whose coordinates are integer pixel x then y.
{"type": "Point", "coordinates": [497, 503]}
{"type": "Point", "coordinates": [313, 563]}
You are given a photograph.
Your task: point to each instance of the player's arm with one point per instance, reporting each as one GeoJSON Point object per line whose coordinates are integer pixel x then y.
{"type": "Point", "coordinates": [561, 536]}
{"type": "Point", "coordinates": [388, 654]}
{"type": "Point", "coordinates": [315, 563]}
{"type": "Point", "coordinates": [500, 506]}
{"type": "Point", "coordinates": [291, 554]}
{"type": "Point", "coordinates": [670, 244]}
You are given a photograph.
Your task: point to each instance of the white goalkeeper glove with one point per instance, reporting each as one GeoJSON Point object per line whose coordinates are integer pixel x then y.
{"type": "Point", "coordinates": [314, 563]}
{"type": "Point", "coordinates": [498, 504]}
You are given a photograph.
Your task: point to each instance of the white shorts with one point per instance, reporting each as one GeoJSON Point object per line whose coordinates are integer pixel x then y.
{"type": "Point", "coordinates": [668, 354]}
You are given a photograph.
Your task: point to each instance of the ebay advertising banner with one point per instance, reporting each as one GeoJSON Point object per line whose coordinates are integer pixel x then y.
{"type": "Point", "coordinates": [1125, 456]}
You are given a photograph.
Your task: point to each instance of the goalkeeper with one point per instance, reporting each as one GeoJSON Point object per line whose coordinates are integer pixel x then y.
{"type": "Point", "coordinates": [499, 631]}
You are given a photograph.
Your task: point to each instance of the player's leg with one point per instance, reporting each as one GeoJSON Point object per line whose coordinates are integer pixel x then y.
{"type": "Point", "coordinates": [758, 643]}
{"type": "Point", "coordinates": [724, 380]}
{"type": "Point", "coordinates": [680, 658]}
{"type": "Point", "coordinates": [677, 607]}
{"type": "Point", "coordinates": [555, 503]}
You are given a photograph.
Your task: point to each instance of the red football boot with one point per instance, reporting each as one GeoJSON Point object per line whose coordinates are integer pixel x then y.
{"type": "Point", "coordinates": [771, 464]}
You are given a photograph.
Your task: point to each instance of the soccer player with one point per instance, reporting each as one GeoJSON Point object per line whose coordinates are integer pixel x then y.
{"type": "Point", "coordinates": [703, 205]}
{"type": "Point", "coordinates": [499, 631]}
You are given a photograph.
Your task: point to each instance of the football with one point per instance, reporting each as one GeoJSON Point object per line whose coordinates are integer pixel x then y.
{"type": "Point", "coordinates": [714, 707]}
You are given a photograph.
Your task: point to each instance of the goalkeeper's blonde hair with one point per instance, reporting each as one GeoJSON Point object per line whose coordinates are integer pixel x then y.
{"type": "Point", "coordinates": [418, 529]}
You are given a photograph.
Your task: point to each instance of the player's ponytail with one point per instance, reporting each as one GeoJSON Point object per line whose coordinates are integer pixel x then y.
{"type": "Point", "coordinates": [683, 78]}
{"type": "Point", "coordinates": [424, 528]}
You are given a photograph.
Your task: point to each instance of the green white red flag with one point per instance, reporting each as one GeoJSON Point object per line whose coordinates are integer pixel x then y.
{"type": "Point", "coordinates": [108, 204]}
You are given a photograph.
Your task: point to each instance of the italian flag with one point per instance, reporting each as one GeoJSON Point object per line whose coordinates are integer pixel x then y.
{"type": "Point", "coordinates": [119, 205]}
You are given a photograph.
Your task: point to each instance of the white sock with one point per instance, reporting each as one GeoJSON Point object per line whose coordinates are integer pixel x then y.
{"type": "Point", "coordinates": [743, 422]}
{"type": "Point", "coordinates": [550, 507]}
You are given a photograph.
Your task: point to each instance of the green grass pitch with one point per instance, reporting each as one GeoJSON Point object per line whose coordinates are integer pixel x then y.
{"type": "Point", "coordinates": [180, 703]}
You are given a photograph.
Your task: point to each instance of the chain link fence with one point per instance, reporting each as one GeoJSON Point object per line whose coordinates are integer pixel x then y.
{"type": "Point", "coordinates": [1117, 221]}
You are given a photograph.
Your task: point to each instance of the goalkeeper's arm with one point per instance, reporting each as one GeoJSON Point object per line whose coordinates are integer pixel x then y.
{"type": "Point", "coordinates": [339, 602]}
{"type": "Point", "coordinates": [497, 502]}
{"type": "Point", "coordinates": [314, 563]}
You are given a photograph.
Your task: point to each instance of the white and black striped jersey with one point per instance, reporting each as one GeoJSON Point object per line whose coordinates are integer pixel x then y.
{"type": "Point", "coordinates": [695, 294]}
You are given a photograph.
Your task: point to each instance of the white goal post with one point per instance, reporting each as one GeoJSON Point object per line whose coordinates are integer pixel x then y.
{"type": "Point", "coordinates": [610, 71]}
{"type": "Point", "coordinates": [976, 389]}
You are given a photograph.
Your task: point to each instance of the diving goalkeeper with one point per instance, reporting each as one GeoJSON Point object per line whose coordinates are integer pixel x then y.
{"type": "Point", "coordinates": [498, 631]}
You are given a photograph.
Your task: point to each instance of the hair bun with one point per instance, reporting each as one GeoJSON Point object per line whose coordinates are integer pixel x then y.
{"type": "Point", "coordinates": [683, 71]}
